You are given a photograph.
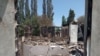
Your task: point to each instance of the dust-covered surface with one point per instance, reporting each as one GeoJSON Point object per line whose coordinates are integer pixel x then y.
{"type": "Point", "coordinates": [44, 49]}
{"type": "Point", "coordinates": [42, 46]}
{"type": "Point", "coordinates": [7, 28]}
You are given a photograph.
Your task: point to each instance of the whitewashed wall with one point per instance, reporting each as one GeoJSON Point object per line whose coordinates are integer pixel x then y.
{"type": "Point", "coordinates": [73, 31]}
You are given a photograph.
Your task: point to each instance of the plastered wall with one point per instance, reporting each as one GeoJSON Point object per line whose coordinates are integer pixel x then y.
{"type": "Point", "coordinates": [7, 28]}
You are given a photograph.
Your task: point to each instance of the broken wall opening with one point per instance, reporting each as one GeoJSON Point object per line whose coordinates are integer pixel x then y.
{"type": "Point", "coordinates": [65, 31]}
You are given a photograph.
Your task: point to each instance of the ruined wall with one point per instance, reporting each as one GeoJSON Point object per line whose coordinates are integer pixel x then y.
{"type": "Point", "coordinates": [95, 38]}
{"type": "Point", "coordinates": [7, 28]}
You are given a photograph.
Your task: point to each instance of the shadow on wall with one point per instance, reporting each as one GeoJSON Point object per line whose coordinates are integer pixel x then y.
{"type": "Point", "coordinates": [3, 5]}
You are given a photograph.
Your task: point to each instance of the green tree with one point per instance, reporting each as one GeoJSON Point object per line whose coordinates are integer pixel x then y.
{"type": "Point", "coordinates": [27, 10]}
{"type": "Point", "coordinates": [44, 7]}
{"type": "Point", "coordinates": [63, 21]}
{"type": "Point", "coordinates": [32, 8]}
{"type": "Point", "coordinates": [50, 12]}
{"type": "Point", "coordinates": [20, 11]}
{"type": "Point", "coordinates": [33, 24]}
{"type": "Point", "coordinates": [19, 31]}
{"type": "Point", "coordinates": [22, 8]}
{"type": "Point", "coordinates": [35, 7]}
{"type": "Point", "coordinates": [71, 16]}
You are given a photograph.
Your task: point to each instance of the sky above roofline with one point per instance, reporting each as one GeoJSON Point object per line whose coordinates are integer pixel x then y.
{"type": "Point", "coordinates": [62, 7]}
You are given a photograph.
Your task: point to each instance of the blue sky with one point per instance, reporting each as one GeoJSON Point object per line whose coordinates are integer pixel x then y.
{"type": "Point", "coordinates": [62, 7]}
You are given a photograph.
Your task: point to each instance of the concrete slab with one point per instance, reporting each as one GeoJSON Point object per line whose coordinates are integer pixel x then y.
{"type": "Point", "coordinates": [45, 50]}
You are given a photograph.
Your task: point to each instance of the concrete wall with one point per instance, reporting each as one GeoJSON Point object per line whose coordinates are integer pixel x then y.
{"type": "Point", "coordinates": [95, 38]}
{"type": "Point", "coordinates": [7, 28]}
{"type": "Point", "coordinates": [73, 33]}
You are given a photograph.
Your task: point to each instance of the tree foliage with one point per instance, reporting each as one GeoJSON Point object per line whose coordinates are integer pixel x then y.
{"type": "Point", "coordinates": [63, 21]}
{"type": "Point", "coordinates": [27, 16]}
{"type": "Point", "coordinates": [27, 10]}
{"type": "Point", "coordinates": [32, 8]}
{"type": "Point", "coordinates": [35, 7]}
{"type": "Point", "coordinates": [19, 31]}
{"type": "Point", "coordinates": [20, 12]}
{"type": "Point", "coordinates": [44, 7]}
{"type": "Point", "coordinates": [33, 24]}
{"type": "Point", "coordinates": [50, 12]}
{"type": "Point", "coordinates": [71, 16]}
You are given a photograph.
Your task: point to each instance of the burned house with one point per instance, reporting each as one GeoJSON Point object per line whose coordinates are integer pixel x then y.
{"type": "Point", "coordinates": [65, 31]}
{"type": "Point", "coordinates": [45, 31]}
